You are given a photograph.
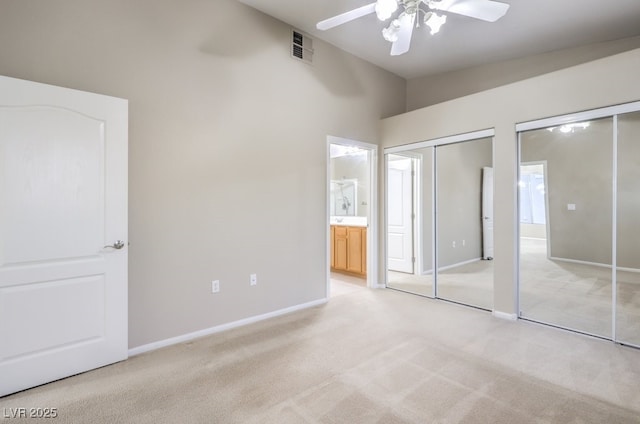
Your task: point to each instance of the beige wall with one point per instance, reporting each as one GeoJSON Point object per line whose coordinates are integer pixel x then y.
{"type": "Point", "coordinates": [603, 82]}
{"type": "Point", "coordinates": [433, 89]}
{"type": "Point", "coordinates": [227, 144]}
{"type": "Point", "coordinates": [459, 191]}
{"type": "Point", "coordinates": [538, 231]}
{"type": "Point", "coordinates": [579, 168]}
{"type": "Point", "coordinates": [628, 193]}
{"type": "Point", "coordinates": [579, 171]}
{"type": "Point", "coordinates": [426, 214]}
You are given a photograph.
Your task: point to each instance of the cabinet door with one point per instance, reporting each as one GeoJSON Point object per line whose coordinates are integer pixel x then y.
{"type": "Point", "coordinates": [340, 257]}
{"type": "Point", "coordinates": [354, 254]}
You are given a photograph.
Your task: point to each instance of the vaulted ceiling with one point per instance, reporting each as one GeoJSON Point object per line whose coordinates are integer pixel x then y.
{"type": "Point", "coordinates": [529, 27]}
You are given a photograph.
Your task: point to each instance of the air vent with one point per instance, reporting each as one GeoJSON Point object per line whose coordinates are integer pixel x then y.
{"type": "Point", "coordinates": [301, 46]}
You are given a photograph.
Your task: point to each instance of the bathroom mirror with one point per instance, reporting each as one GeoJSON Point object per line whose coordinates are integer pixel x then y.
{"type": "Point", "coordinates": [350, 181]}
{"type": "Point", "coordinates": [344, 197]}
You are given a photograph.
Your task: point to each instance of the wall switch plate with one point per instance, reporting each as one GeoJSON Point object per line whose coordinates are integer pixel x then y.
{"type": "Point", "coordinates": [253, 279]}
{"type": "Point", "coordinates": [215, 286]}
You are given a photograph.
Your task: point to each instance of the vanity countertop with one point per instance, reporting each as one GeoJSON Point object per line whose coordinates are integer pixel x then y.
{"type": "Point", "coordinates": [350, 221]}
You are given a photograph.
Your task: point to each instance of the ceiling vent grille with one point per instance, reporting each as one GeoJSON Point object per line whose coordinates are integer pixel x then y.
{"type": "Point", "coordinates": [301, 46]}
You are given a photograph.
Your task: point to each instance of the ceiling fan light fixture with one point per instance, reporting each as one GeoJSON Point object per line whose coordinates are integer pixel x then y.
{"type": "Point", "coordinates": [391, 32]}
{"type": "Point", "coordinates": [434, 21]}
{"type": "Point", "coordinates": [386, 8]}
{"type": "Point", "coordinates": [407, 16]}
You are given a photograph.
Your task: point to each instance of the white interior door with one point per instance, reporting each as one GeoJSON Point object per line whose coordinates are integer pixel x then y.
{"type": "Point", "coordinates": [400, 214]}
{"type": "Point", "coordinates": [63, 197]}
{"type": "Point", "coordinates": [487, 213]}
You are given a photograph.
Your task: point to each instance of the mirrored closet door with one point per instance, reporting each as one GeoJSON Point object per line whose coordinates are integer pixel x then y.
{"type": "Point", "coordinates": [628, 230]}
{"type": "Point", "coordinates": [579, 203]}
{"type": "Point", "coordinates": [565, 193]}
{"type": "Point", "coordinates": [439, 210]}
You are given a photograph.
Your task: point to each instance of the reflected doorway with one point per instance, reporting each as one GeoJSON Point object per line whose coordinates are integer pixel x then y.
{"type": "Point", "coordinates": [400, 214]}
{"type": "Point", "coordinates": [533, 200]}
{"type": "Point", "coordinates": [409, 211]}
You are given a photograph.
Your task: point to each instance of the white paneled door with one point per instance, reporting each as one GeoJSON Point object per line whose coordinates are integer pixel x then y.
{"type": "Point", "coordinates": [400, 214]}
{"type": "Point", "coordinates": [63, 232]}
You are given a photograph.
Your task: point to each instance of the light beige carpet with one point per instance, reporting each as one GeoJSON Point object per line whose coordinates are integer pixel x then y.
{"type": "Point", "coordinates": [578, 296]}
{"type": "Point", "coordinates": [571, 295]}
{"type": "Point", "coordinates": [368, 356]}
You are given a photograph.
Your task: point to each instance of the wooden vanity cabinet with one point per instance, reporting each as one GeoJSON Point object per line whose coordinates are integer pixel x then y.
{"type": "Point", "coordinates": [349, 249]}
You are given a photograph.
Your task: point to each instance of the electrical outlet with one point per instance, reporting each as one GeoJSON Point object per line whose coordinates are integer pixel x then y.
{"type": "Point", "coordinates": [253, 279]}
{"type": "Point", "coordinates": [215, 286]}
{"type": "Point", "coordinates": [464, 243]}
{"type": "Point", "coordinates": [453, 244]}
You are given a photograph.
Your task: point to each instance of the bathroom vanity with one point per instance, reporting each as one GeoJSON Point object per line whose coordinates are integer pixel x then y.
{"type": "Point", "coordinates": [349, 247]}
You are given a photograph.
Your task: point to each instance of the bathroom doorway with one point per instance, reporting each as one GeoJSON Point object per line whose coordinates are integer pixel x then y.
{"type": "Point", "coordinates": [351, 216]}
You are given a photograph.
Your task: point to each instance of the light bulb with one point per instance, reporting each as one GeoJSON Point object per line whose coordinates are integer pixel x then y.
{"type": "Point", "coordinates": [434, 21]}
{"type": "Point", "coordinates": [386, 8]}
{"type": "Point", "coordinates": [391, 32]}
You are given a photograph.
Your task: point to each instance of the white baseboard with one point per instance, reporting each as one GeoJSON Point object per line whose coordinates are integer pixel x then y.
{"type": "Point", "coordinates": [470, 261]}
{"type": "Point", "coordinates": [222, 327]}
{"type": "Point", "coordinates": [504, 315]}
{"type": "Point", "coordinates": [575, 261]}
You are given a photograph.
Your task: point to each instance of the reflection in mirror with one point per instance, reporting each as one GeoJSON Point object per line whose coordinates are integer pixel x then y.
{"type": "Point", "coordinates": [409, 241]}
{"type": "Point", "coordinates": [565, 191]}
{"type": "Point", "coordinates": [350, 181]}
{"type": "Point", "coordinates": [628, 230]}
{"type": "Point", "coordinates": [464, 189]}
{"type": "Point", "coordinates": [344, 197]}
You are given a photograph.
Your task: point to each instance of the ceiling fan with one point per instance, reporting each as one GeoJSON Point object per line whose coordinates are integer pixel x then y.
{"type": "Point", "coordinates": [401, 27]}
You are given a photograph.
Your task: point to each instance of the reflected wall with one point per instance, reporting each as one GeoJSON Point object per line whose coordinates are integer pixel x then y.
{"type": "Point", "coordinates": [463, 276]}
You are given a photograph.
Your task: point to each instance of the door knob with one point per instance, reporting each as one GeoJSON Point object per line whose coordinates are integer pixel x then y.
{"type": "Point", "coordinates": [119, 244]}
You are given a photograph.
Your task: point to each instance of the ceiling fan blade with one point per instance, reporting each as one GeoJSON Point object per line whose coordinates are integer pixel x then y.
{"type": "Point", "coordinates": [486, 10]}
{"type": "Point", "coordinates": [404, 35]}
{"type": "Point", "coordinates": [343, 18]}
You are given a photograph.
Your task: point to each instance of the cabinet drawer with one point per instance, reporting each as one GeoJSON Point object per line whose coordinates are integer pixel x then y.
{"type": "Point", "coordinates": [341, 231]}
